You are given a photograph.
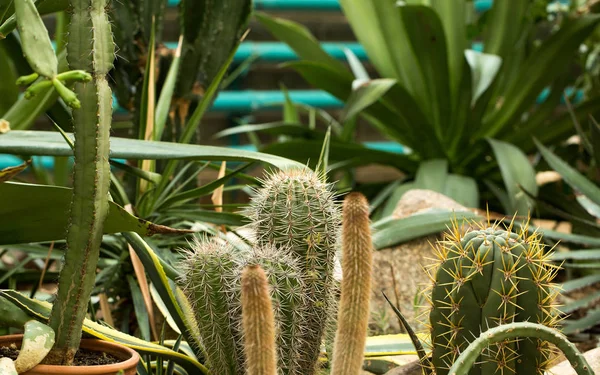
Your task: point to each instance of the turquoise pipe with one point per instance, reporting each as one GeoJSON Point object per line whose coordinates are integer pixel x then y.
{"type": "Point", "coordinates": [321, 5]}
{"type": "Point", "coordinates": [251, 100]}
{"type": "Point", "coordinates": [279, 52]}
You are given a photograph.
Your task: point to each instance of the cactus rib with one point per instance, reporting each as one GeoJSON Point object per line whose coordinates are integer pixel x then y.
{"type": "Point", "coordinates": [512, 331]}
{"type": "Point", "coordinates": [258, 322]}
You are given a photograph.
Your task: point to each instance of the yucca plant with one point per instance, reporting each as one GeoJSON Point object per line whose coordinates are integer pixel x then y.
{"type": "Point", "coordinates": [451, 107]}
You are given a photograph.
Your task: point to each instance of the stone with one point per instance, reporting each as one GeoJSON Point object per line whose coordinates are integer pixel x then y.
{"type": "Point", "coordinates": [399, 270]}
{"type": "Point", "coordinates": [411, 368]}
{"type": "Point", "coordinates": [565, 368]}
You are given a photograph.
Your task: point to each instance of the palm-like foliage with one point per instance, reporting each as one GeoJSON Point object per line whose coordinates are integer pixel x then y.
{"type": "Point", "coordinates": [443, 100]}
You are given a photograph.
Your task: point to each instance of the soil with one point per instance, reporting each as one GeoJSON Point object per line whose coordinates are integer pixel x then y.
{"type": "Point", "coordinates": [84, 357]}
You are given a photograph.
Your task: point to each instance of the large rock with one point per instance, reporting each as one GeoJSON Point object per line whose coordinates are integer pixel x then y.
{"type": "Point", "coordinates": [401, 267]}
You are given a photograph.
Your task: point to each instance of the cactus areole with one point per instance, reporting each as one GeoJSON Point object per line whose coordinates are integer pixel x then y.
{"type": "Point", "coordinates": [484, 278]}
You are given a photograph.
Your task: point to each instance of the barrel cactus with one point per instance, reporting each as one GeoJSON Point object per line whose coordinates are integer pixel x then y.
{"type": "Point", "coordinates": [296, 223]}
{"type": "Point", "coordinates": [484, 278]}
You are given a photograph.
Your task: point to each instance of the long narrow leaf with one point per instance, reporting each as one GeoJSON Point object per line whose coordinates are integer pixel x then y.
{"type": "Point", "coordinates": [160, 281]}
{"type": "Point", "coordinates": [402, 230]}
{"type": "Point", "coordinates": [34, 213]}
{"type": "Point", "coordinates": [52, 144]}
{"type": "Point", "coordinates": [40, 310]}
{"type": "Point", "coordinates": [516, 172]}
{"type": "Point", "coordinates": [572, 177]}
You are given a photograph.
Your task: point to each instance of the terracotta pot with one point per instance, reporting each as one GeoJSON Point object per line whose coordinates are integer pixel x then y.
{"type": "Point", "coordinates": [129, 357]}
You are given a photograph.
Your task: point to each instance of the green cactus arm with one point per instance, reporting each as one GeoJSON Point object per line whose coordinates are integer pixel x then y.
{"type": "Point", "coordinates": [258, 322]}
{"type": "Point", "coordinates": [515, 330]}
{"type": "Point", "coordinates": [89, 49]}
{"type": "Point", "coordinates": [357, 266]}
{"type": "Point", "coordinates": [210, 283]}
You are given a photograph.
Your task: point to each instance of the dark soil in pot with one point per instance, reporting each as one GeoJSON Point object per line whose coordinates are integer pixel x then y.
{"type": "Point", "coordinates": [84, 357]}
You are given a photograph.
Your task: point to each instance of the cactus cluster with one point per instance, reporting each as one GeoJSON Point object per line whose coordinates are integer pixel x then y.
{"type": "Point", "coordinates": [296, 222]}
{"type": "Point", "coordinates": [484, 278]}
{"type": "Point", "coordinates": [297, 210]}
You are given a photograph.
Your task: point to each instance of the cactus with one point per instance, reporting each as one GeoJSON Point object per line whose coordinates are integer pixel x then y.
{"type": "Point", "coordinates": [90, 49]}
{"type": "Point", "coordinates": [258, 322]}
{"type": "Point", "coordinates": [515, 330]}
{"type": "Point", "coordinates": [486, 278]}
{"type": "Point", "coordinates": [296, 209]}
{"type": "Point", "coordinates": [209, 281]}
{"type": "Point", "coordinates": [357, 265]}
{"type": "Point", "coordinates": [297, 261]}
{"type": "Point", "coordinates": [213, 272]}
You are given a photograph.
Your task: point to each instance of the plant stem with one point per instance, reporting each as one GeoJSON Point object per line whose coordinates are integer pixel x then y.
{"type": "Point", "coordinates": [90, 48]}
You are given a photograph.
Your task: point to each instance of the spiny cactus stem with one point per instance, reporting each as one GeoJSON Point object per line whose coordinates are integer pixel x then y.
{"type": "Point", "coordinates": [357, 264]}
{"type": "Point", "coordinates": [258, 323]}
{"type": "Point", "coordinates": [90, 48]}
{"type": "Point", "coordinates": [515, 330]}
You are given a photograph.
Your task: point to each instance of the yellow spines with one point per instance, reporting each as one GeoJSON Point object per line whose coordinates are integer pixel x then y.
{"type": "Point", "coordinates": [357, 265]}
{"type": "Point", "coordinates": [258, 323]}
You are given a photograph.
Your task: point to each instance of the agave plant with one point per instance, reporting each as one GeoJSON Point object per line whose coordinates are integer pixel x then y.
{"type": "Point", "coordinates": [452, 107]}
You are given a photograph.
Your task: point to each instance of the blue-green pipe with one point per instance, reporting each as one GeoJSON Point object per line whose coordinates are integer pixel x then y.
{"type": "Point", "coordinates": [326, 5]}
{"type": "Point", "coordinates": [277, 51]}
{"type": "Point", "coordinates": [321, 5]}
{"type": "Point", "coordinates": [250, 100]}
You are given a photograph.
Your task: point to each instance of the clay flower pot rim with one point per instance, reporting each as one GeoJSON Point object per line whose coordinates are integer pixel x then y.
{"type": "Point", "coordinates": [129, 357]}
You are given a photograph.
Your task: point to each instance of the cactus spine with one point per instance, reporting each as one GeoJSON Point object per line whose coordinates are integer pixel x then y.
{"type": "Point", "coordinates": [357, 265]}
{"type": "Point", "coordinates": [212, 282]}
{"type": "Point", "coordinates": [486, 278]}
{"type": "Point", "coordinates": [296, 238]}
{"type": "Point", "coordinates": [258, 322]}
{"type": "Point", "coordinates": [90, 49]}
{"type": "Point", "coordinates": [296, 209]}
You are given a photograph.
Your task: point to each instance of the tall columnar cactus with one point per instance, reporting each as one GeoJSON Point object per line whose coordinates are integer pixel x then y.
{"type": "Point", "coordinates": [485, 278]}
{"type": "Point", "coordinates": [258, 323]}
{"type": "Point", "coordinates": [91, 49]}
{"type": "Point", "coordinates": [296, 209]}
{"type": "Point", "coordinates": [357, 265]}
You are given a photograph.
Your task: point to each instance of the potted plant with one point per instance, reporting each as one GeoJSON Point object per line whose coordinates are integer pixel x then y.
{"type": "Point", "coordinates": [91, 52]}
